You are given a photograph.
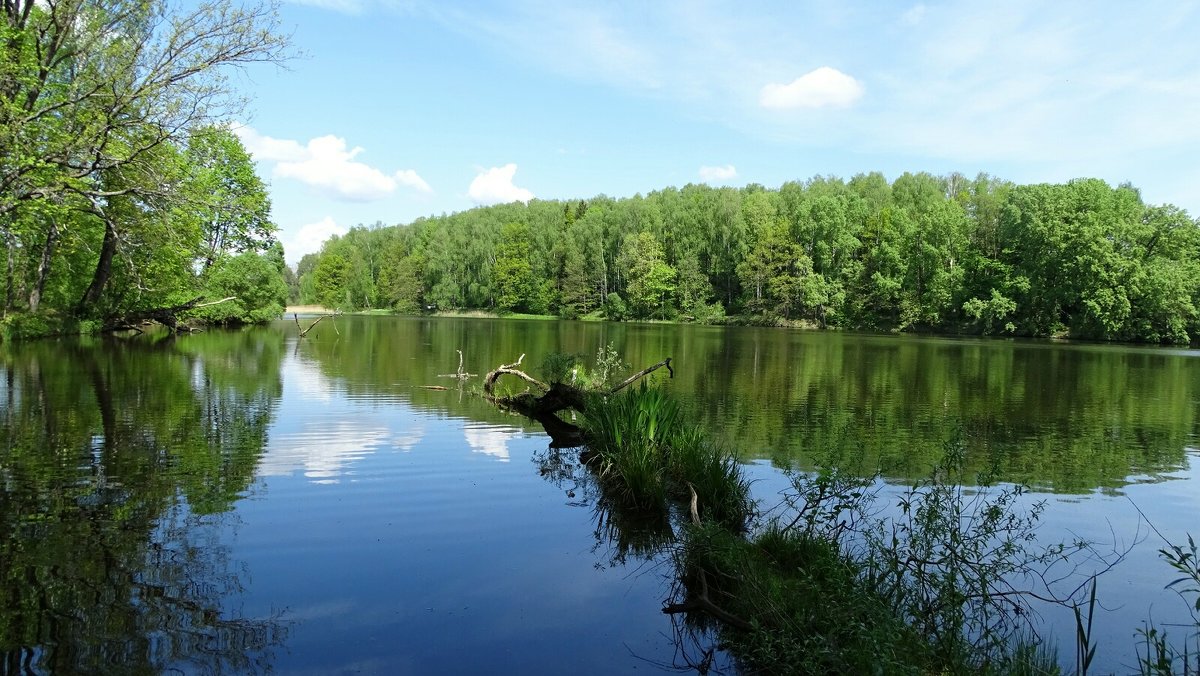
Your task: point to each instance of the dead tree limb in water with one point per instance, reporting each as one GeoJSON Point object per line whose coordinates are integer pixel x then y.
{"type": "Point", "coordinates": [304, 332]}
{"type": "Point", "coordinates": [561, 390]}
{"type": "Point", "coordinates": [644, 372]}
{"type": "Point", "coordinates": [702, 603]}
{"type": "Point", "coordinates": [461, 373]}
{"type": "Point", "coordinates": [489, 381]}
{"type": "Point", "coordinates": [555, 396]}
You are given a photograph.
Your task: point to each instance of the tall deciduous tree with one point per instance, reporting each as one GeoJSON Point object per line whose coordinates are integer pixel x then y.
{"type": "Point", "coordinates": [91, 95]}
{"type": "Point", "coordinates": [225, 196]}
{"type": "Point", "coordinates": [651, 285]}
{"type": "Point", "coordinates": [515, 284]}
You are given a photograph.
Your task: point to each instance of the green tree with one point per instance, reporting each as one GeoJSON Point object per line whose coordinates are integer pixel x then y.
{"type": "Point", "coordinates": [651, 285]}
{"type": "Point", "coordinates": [254, 281]}
{"type": "Point", "coordinates": [225, 195]}
{"type": "Point", "coordinates": [516, 287]}
{"type": "Point", "coordinates": [92, 96]}
{"type": "Point", "coordinates": [571, 280]}
{"type": "Point", "coordinates": [332, 279]}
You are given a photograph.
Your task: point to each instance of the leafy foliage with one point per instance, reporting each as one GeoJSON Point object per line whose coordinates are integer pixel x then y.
{"type": "Point", "coordinates": [1081, 259]}
{"type": "Point", "coordinates": [120, 186]}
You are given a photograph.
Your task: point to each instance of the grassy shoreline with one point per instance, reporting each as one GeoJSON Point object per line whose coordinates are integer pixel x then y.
{"type": "Point", "coordinates": [826, 585]}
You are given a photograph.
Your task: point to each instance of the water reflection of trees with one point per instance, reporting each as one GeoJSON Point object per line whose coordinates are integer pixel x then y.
{"type": "Point", "coordinates": [1063, 417]}
{"type": "Point", "coordinates": [645, 540]}
{"type": "Point", "coordinates": [119, 465]}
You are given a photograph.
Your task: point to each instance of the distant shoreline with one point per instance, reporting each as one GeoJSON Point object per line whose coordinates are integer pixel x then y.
{"type": "Point", "coordinates": [307, 310]}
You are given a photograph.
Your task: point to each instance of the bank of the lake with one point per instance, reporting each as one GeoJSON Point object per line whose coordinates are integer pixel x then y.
{"type": "Point", "coordinates": [333, 513]}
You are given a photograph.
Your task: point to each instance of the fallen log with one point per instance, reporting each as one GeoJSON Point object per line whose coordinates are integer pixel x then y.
{"type": "Point", "coordinates": [552, 398]}
{"type": "Point", "coordinates": [167, 316]}
{"type": "Point", "coordinates": [555, 396]}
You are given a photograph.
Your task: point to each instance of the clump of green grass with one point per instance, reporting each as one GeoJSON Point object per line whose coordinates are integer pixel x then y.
{"type": "Point", "coordinates": [646, 454]}
{"type": "Point", "coordinates": [801, 605]}
{"type": "Point", "coordinates": [695, 462]}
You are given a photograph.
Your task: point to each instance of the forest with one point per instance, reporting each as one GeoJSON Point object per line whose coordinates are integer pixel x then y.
{"type": "Point", "coordinates": [920, 253]}
{"type": "Point", "coordinates": [126, 195]}
{"type": "Point", "coordinates": [124, 192]}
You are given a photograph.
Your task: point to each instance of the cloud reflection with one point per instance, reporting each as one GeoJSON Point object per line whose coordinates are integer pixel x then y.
{"type": "Point", "coordinates": [490, 439]}
{"type": "Point", "coordinates": [323, 452]}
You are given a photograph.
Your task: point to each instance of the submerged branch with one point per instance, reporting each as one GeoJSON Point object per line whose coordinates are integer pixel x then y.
{"type": "Point", "coordinates": [702, 603]}
{"type": "Point", "coordinates": [461, 373]}
{"type": "Point", "coordinates": [304, 332]}
{"type": "Point", "coordinates": [644, 372]}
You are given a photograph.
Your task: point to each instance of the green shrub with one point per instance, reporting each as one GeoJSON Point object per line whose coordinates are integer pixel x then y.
{"type": "Point", "coordinates": [614, 307]}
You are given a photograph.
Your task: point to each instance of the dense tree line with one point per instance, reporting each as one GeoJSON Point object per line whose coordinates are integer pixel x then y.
{"type": "Point", "coordinates": [1082, 259]}
{"type": "Point", "coordinates": [120, 188]}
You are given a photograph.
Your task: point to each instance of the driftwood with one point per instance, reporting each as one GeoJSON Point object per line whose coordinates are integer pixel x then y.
{"type": "Point", "coordinates": [644, 372]}
{"type": "Point", "coordinates": [702, 603]}
{"type": "Point", "coordinates": [551, 399]}
{"type": "Point", "coordinates": [304, 332]}
{"type": "Point", "coordinates": [556, 396]}
{"type": "Point", "coordinates": [461, 373]}
{"type": "Point", "coordinates": [489, 381]}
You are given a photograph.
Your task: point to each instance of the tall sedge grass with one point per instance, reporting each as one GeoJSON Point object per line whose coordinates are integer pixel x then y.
{"type": "Point", "coordinates": [646, 455]}
{"type": "Point", "coordinates": [828, 587]}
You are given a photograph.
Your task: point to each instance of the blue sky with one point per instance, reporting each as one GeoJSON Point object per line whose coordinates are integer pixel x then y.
{"type": "Point", "coordinates": [399, 109]}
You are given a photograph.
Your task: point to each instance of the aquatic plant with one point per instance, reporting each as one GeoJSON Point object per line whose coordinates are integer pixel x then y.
{"type": "Point", "coordinates": [645, 453]}
{"type": "Point", "coordinates": [1158, 654]}
{"type": "Point", "coordinates": [824, 583]}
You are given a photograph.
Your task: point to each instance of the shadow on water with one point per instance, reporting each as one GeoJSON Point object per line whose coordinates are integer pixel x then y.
{"type": "Point", "coordinates": [645, 540]}
{"type": "Point", "coordinates": [120, 464]}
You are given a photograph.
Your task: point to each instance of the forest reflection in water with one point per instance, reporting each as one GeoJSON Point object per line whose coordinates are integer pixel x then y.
{"type": "Point", "coordinates": [189, 502]}
{"type": "Point", "coordinates": [120, 465]}
{"type": "Point", "coordinates": [1061, 417]}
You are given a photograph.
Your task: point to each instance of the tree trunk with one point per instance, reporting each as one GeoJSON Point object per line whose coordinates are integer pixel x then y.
{"type": "Point", "coordinates": [35, 296]}
{"type": "Point", "coordinates": [8, 276]}
{"type": "Point", "coordinates": [103, 269]}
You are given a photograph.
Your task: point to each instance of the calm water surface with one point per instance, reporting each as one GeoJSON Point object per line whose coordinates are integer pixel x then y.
{"type": "Point", "coordinates": [248, 501]}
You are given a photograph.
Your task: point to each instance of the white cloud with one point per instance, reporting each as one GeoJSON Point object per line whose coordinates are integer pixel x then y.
{"type": "Point", "coordinates": [309, 238]}
{"type": "Point", "coordinates": [824, 87]}
{"type": "Point", "coordinates": [410, 178]}
{"type": "Point", "coordinates": [914, 15]}
{"type": "Point", "coordinates": [495, 186]}
{"type": "Point", "coordinates": [331, 167]}
{"type": "Point", "coordinates": [326, 163]}
{"type": "Point", "coordinates": [718, 174]}
{"type": "Point", "coordinates": [267, 149]}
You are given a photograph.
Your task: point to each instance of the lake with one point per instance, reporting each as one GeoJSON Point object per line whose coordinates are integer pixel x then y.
{"type": "Point", "coordinates": [249, 501]}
